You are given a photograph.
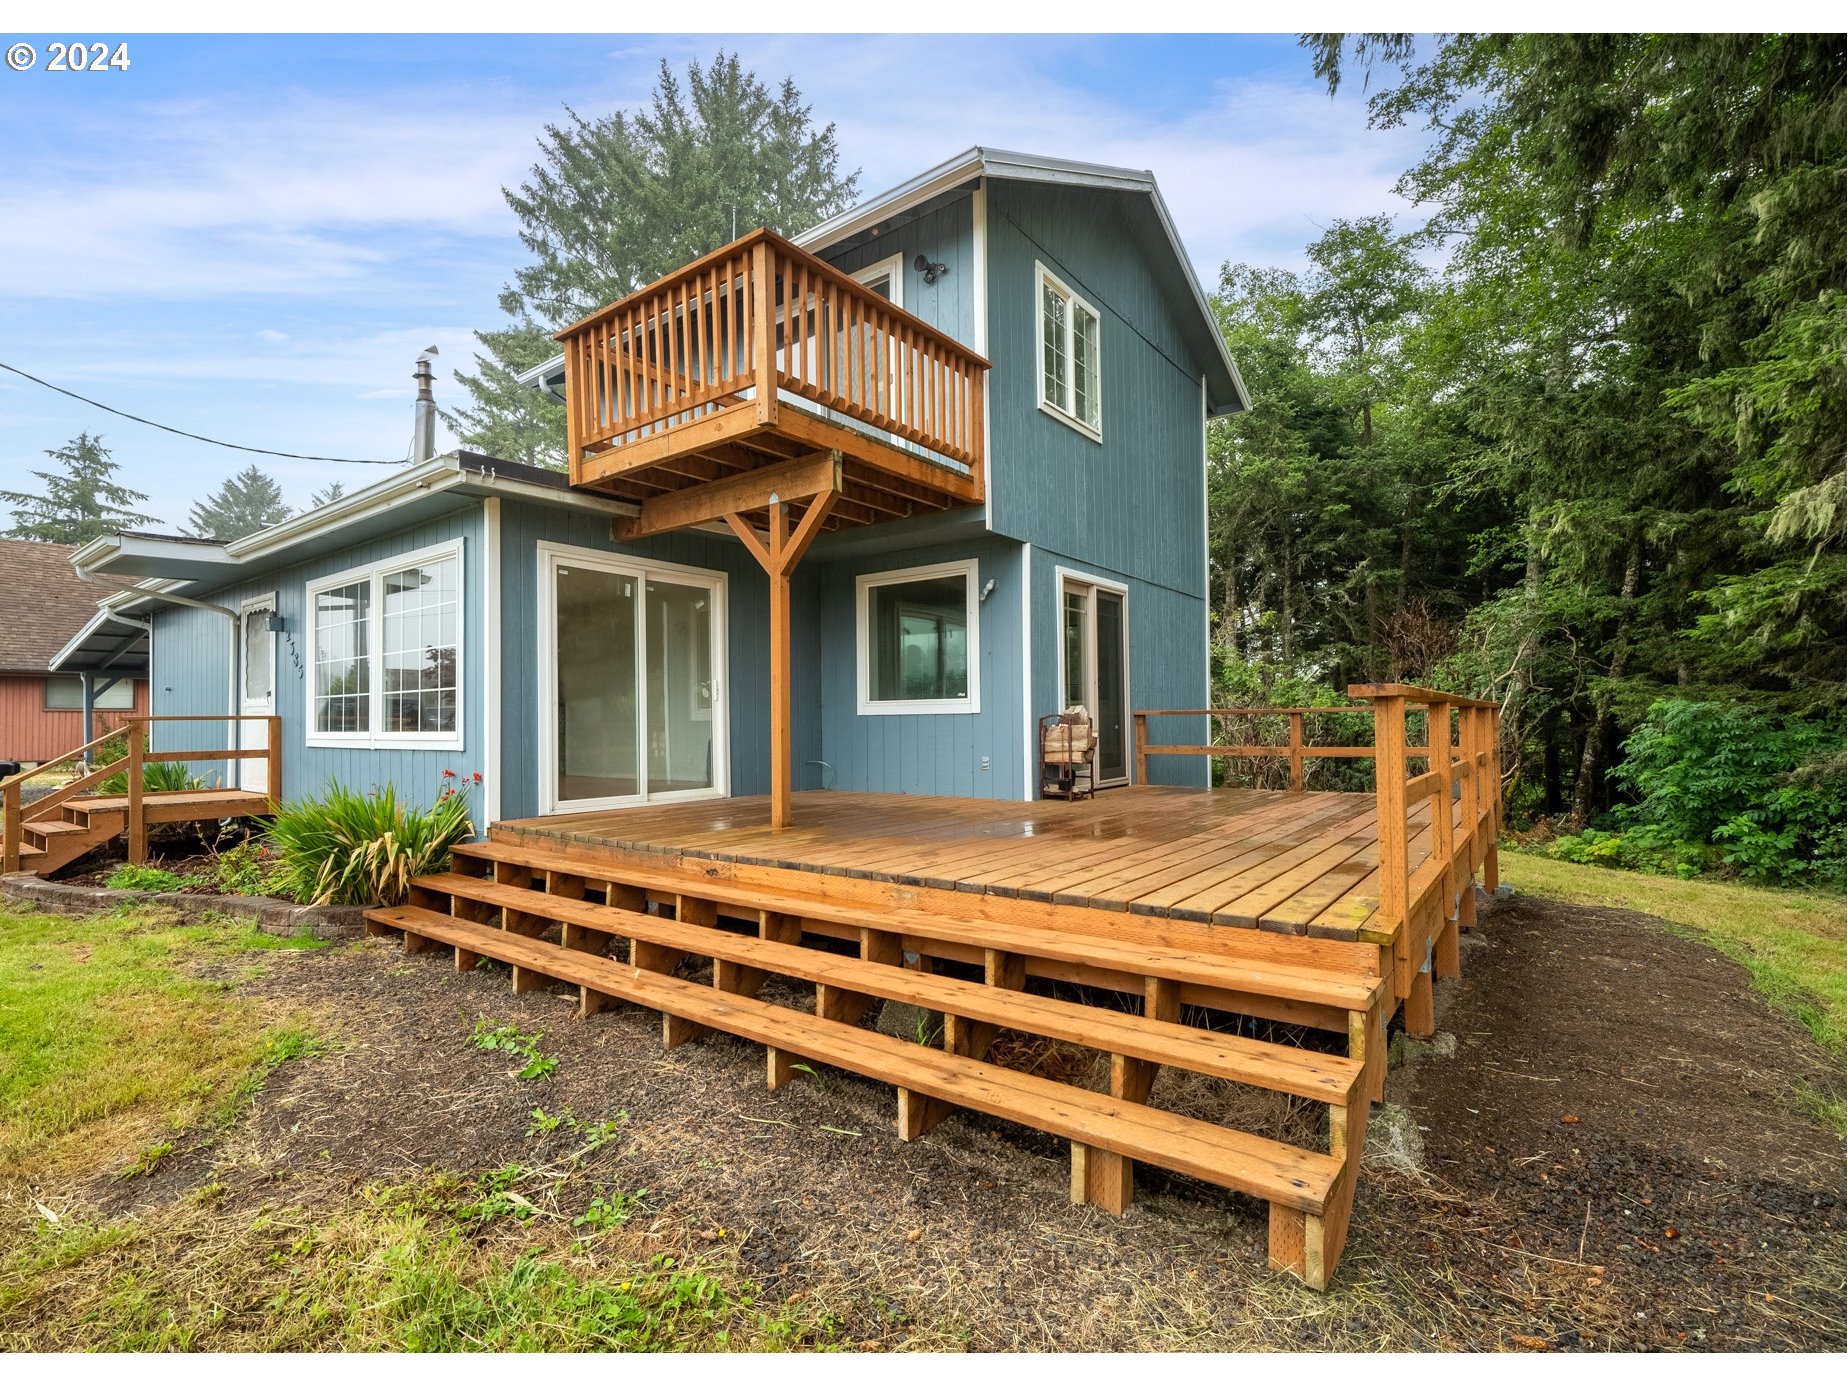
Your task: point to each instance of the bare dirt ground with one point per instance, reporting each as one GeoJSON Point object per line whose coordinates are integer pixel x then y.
{"type": "Point", "coordinates": [1612, 1158]}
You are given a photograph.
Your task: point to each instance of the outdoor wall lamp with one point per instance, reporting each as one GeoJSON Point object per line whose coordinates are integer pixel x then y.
{"type": "Point", "coordinates": [930, 269]}
{"type": "Point", "coordinates": [274, 624]}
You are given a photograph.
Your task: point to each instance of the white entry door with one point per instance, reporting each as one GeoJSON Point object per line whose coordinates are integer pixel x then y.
{"type": "Point", "coordinates": [633, 682]}
{"type": "Point", "coordinates": [1094, 665]}
{"type": "Point", "coordinates": [256, 689]}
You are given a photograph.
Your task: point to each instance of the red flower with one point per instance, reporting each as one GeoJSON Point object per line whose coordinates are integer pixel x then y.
{"type": "Point", "coordinates": [478, 777]}
{"type": "Point", "coordinates": [449, 774]}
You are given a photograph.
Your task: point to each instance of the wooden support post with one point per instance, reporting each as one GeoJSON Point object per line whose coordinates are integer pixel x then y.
{"type": "Point", "coordinates": [1420, 1013]}
{"type": "Point", "coordinates": [781, 735]}
{"type": "Point", "coordinates": [970, 1038]}
{"type": "Point", "coordinates": [137, 814]}
{"type": "Point", "coordinates": [12, 826]}
{"type": "Point", "coordinates": [1389, 801]}
{"type": "Point", "coordinates": [1103, 1177]}
{"type": "Point", "coordinates": [1447, 958]}
{"type": "Point", "coordinates": [416, 943]}
{"type": "Point", "coordinates": [778, 1063]}
{"type": "Point", "coordinates": [1298, 783]}
{"type": "Point", "coordinates": [467, 960]}
{"type": "Point", "coordinates": [1142, 747]}
{"type": "Point", "coordinates": [272, 778]}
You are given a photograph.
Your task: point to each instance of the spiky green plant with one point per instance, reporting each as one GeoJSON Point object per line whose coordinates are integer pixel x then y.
{"type": "Point", "coordinates": [363, 849]}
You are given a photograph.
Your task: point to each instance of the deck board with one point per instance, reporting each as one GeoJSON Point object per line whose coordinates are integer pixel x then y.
{"type": "Point", "coordinates": [1293, 863]}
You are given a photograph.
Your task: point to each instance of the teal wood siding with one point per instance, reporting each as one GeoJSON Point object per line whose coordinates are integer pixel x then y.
{"type": "Point", "coordinates": [1167, 659]}
{"type": "Point", "coordinates": [947, 235]}
{"type": "Point", "coordinates": [747, 627]}
{"type": "Point", "coordinates": [1135, 503]}
{"type": "Point", "coordinates": [924, 753]}
{"type": "Point", "coordinates": [191, 660]}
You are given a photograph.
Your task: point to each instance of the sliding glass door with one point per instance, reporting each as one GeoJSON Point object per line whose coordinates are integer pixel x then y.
{"type": "Point", "coordinates": [631, 658]}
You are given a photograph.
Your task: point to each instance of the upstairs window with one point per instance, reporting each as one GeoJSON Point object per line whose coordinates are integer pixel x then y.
{"type": "Point", "coordinates": [1069, 357]}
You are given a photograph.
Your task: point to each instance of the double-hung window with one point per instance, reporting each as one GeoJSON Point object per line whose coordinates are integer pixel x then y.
{"type": "Point", "coordinates": [1070, 385]}
{"type": "Point", "coordinates": [385, 653]}
{"type": "Point", "coordinates": [919, 650]}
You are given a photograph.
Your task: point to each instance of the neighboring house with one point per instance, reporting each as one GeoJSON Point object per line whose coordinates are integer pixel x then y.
{"type": "Point", "coordinates": [1015, 520]}
{"type": "Point", "coordinates": [43, 705]}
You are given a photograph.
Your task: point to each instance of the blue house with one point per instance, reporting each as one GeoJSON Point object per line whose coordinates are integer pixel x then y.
{"type": "Point", "coordinates": [850, 512]}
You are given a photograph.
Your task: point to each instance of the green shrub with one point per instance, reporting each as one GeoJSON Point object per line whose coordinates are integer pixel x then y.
{"type": "Point", "coordinates": [1635, 851]}
{"type": "Point", "coordinates": [362, 849]}
{"type": "Point", "coordinates": [131, 877]}
{"type": "Point", "coordinates": [1766, 790]}
{"type": "Point", "coordinates": [160, 775]}
{"type": "Point", "coordinates": [243, 869]}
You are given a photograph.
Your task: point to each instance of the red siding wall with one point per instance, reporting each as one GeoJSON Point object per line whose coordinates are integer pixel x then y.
{"type": "Point", "coordinates": [29, 733]}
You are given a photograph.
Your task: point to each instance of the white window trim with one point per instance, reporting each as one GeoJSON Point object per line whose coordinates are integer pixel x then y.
{"type": "Point", "coordinates": [374, 573]}
{"type": "Point", "coordinates": [1077, 577]}
{"type": "Point", "coordinates": [969, 570]}
{"type": "Point", "coordinates": [549, 554]}
{"type": "Point", "coordinates": [1044, 279]}
{"type": "Point", "coordinates": [892, 268]}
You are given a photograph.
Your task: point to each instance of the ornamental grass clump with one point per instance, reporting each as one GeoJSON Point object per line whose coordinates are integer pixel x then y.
{"type": "Point", "coordinates": [363, 849]}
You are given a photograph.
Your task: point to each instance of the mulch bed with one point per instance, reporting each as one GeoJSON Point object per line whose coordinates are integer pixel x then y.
{"type": "Point", "coordinates": [1612, 1159]}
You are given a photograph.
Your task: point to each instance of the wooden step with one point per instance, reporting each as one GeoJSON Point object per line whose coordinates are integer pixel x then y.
{"type": "Point", "coordinates": [1280, 1068]}
{"type": "Point", "coordinates": [1297, 1179]}
{"type": "Point", "coordinates": [1346, 992]}
{"type": "Point", "coordinates": [50, 827]}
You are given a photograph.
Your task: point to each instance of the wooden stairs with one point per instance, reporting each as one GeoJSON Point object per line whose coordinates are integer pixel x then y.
{"type": "Point", "coordinates": [50, 832]}
{"type": "Point", "coordinates": [670, 937]}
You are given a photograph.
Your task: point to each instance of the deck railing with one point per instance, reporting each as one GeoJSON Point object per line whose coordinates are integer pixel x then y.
{"type": "Point", "coordinates": [753, 318]}
{"type": "Point", "coordinates": [15, 813]}
{"type": "Point", "coordinates": [1450, 808]}
{"type": "Point", "coordinates": [1298, 750]}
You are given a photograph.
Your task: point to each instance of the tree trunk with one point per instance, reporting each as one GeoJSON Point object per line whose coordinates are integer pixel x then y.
{"type": "Point", "coordinates": [1589, 792]}
{"type": "Point", "coordinates": [1286, 615]}
{"type": "Point", "coordinates": [1549, 765]}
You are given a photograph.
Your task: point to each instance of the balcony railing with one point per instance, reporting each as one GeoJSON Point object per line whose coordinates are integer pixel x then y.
{"type": "Point", "coordinates": [731, 344]}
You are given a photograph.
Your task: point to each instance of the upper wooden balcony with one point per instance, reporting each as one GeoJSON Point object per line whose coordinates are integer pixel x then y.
{"type": "Point", "coordinates": [760, 354]}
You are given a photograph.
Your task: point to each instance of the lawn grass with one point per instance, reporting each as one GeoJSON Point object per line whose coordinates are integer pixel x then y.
{"type": "Point", "coordinates": [126, 1040]}
{"type": "Point", "coordinates": [108, 1032]}
{"type": "Point", "coordinates": [400, 1268]}
{"type": "Point", "coordinates": [1792, 942]}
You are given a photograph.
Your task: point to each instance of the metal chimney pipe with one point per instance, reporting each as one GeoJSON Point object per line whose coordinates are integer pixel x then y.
{"type": "Point", "coordinates": [423, 431]}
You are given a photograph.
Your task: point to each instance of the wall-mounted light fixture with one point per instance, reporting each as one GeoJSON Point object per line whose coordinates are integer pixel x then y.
{"type": "Point", "coordinates": [274, 624]}
{"type": "Point", "coordinates": [930, 269]}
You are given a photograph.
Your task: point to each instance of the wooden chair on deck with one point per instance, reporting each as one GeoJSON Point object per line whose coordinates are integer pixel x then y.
{"type": "Point", "coordinates": [1068, 749]}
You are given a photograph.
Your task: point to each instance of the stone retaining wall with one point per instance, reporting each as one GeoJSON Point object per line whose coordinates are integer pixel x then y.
{"type": "Point", "coordinates": [278, 917]}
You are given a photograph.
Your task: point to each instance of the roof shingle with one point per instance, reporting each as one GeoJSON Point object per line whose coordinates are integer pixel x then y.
{"type": "Point", "coordinates": [45, 603]}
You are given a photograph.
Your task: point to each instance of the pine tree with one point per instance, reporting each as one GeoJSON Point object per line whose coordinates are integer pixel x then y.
{"type": "Point", "coordinates": [619, 201]}
{"type": "Point", "coordinates": [246, 503]}
{"type": "Point", "coordinates": [327, 495]}
{"type": "Point", "coordinates": [80, 501]}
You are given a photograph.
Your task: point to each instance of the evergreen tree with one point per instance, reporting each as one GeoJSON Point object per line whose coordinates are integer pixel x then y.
{"type": "Point", "coordinates": [619, 201]}
{"type": "Point", "coordinates": [246, 503]}
{"type": "Point", "coordinates": [327, 495]}
{"type": "Point", "coordinates": [80, 501]}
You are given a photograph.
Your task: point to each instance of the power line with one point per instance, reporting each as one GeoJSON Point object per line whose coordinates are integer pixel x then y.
{"type": "Point", "coordinates": [200, 437]}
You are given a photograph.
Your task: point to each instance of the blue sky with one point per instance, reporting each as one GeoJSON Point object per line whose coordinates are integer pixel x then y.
{"type": "Point", "coordinates": [253, 237]}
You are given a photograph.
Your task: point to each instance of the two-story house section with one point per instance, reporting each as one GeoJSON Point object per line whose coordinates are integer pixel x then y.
{"type": "Point", "coordinates": [844, 512]}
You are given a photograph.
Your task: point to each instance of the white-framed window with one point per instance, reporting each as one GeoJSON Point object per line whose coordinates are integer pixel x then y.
{"type": "Point", "coordinates": [64, 693]}
{"type": "Point", "coordinates": [918, 643]}
{"type": "Point", "coordinates": [385, 652]}
{"type": "Point", "coordinates": [1070, 375]}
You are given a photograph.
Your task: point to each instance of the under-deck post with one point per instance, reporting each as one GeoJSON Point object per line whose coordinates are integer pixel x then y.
{"type": "Point", "coordinates": [1297, 783]}
{"type": "Point", "coordinates": [781, 742]}
{"type": "Point", "coordinates": [10, 826]}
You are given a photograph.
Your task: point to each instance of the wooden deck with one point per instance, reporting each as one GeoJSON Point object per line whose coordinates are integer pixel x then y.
{"type": "Point", "coordinates": [1269, 859]}
{"type": "Point", "coordinates": [1211, 931]}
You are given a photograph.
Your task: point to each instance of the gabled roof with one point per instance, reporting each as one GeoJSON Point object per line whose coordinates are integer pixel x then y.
{"type": "Point", "coordinates": [46, 604]}
{"type": "Point", "coordinates": [1142, 201]}
{"type": "Point", "coordinates": [1148, 215]}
